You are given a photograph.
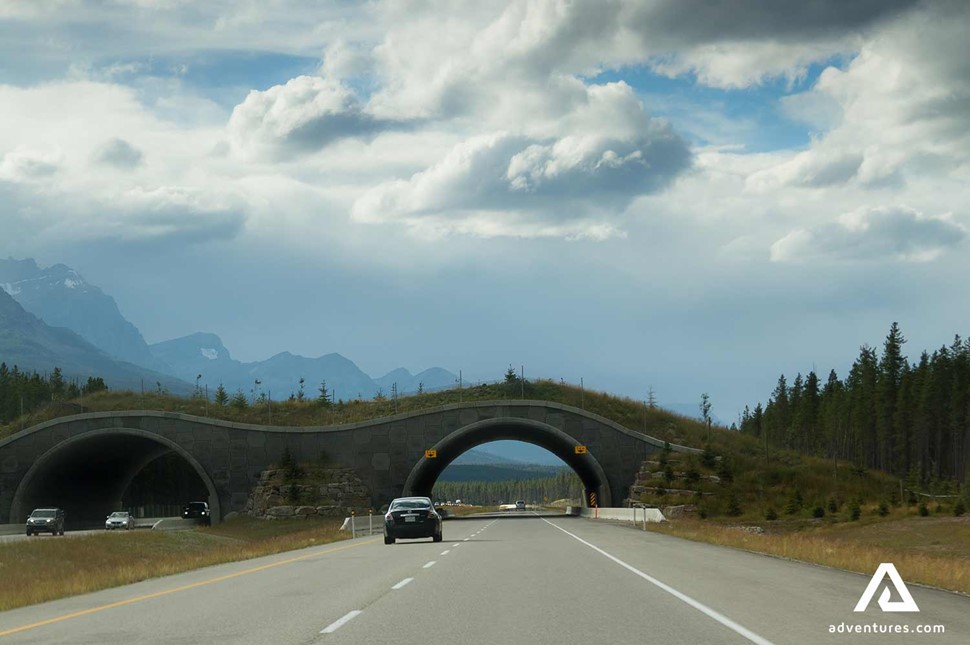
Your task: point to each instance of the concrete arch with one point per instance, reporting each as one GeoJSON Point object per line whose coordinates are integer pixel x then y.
{"type": "Point", "coordinates": [115, 455]}
{"type": "Point", "coordinates": [425, 473]}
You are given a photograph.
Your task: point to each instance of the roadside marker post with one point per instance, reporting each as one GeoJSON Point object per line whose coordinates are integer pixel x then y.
{"type": "Point", "coordinates": [353, 529]}
{"type": "Point", "coordinates": [370, 521]}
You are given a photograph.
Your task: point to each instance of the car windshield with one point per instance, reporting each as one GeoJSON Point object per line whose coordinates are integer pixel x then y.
{"type": "Point", "coordinates": [119, 514]}
{"type": "Point", "coordinates": [43, 513]}
{"type": "Point", "coordinates": [197, 506]}
{"type": "Point", "coordinates": [404, 504]}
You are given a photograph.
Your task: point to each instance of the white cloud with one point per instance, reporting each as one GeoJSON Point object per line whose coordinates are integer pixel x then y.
{"type": "Point", "coordinates": [304, 115]}
{"type": "Point", "coordinates": [873, 234]}
{"type": "Point", "coordinates": [27, 164]}
{"type": "Point", "coordinates": [902, 107]}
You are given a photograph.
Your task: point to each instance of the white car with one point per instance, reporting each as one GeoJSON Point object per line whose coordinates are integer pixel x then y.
{"type": "Point", "coordinates": [119, 520]}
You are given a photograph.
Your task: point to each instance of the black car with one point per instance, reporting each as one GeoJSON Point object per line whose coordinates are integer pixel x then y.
{"type": "Point", "coordinates": [411, 517]}
{"type": "Point", "coordinates": [46, 520]}
{"type": "Point", "coordinates": [197, 511]}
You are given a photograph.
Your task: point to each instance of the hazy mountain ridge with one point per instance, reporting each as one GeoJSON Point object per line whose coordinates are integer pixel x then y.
{"type": "Point", "coordinates": [61, 297]}
{"type": "Point", "coordinates": [279, 375]}
{"type": "Point", "coordinates": [32, 345]}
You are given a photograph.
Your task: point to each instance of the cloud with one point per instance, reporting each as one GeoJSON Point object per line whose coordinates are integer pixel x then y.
{"type": "Point", "coordinates": [30, 163]}
{"type": "Point", "coordinates": [873, 234]}
{"type": "Point", "coordinates": [120, 154]}
{"type": "Point", "coordinates": [898, 111]}
{"type": "Point", "coordinates": [540, 183]}
{"type": "Point", "coordinates": [812, 169]}
{"type": "Point", "coordinates": [304, 115]}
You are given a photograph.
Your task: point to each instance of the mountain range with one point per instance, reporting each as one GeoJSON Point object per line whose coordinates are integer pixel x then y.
{"type": "Point", "coordinates": [32, 345]}
{"type": "Point", "coordinates": [115, 349]}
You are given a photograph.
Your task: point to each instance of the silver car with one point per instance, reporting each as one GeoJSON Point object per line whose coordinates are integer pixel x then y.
{"type": "Point", "coordinates": [119, 520]}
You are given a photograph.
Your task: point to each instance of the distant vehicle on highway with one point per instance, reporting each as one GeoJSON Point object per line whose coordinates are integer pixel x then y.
{"type": "Point", "coordinates": [119, 520]}
{"type": "Point", "coordinates": [198, 511]}
{"type": "Point", "coordinates": [411, 517]}
{"type": "Point", "coordinates": [46, 520]}
{"type": "Point", "coordinates": [520, 505]}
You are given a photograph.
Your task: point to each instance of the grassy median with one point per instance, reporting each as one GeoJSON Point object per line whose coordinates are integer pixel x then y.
{"type": "Point", "coordinates": [933, 551]}
{"type": "Point", "coordinates": [46, 568]}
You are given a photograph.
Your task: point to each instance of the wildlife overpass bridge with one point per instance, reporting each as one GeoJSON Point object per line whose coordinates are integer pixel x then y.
{"type": "Point", "coordinates": [85, 463]}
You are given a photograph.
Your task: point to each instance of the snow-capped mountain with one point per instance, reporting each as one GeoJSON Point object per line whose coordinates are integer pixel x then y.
{"type": "Point", "coordinates": [31, 345]}
{"type": "Point", "coordinates": [61, 297]}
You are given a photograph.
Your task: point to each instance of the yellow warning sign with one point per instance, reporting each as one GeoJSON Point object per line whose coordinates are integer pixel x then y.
{"type": "Point", "coordinates": [580, 450]}
{"type": "Point", "coordinates": [592, 500]}
{"type": "Point", "coordinates": [431, 454]}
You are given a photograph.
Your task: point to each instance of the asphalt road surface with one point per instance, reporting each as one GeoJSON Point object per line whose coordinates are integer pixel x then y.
{"type": "Point", "coordinates": [521, 579]}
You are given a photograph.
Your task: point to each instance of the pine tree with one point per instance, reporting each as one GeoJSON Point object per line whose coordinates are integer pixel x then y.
{"type": "Point", "coordinates": [239, 401]}
{"type": "Point", "coordinates": [221, 397]}
{"type": "Point", "coordinates": [323, 396]}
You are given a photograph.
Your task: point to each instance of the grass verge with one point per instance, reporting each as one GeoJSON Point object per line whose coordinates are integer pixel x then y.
{"type": "Point", "coordinates": [933, 551]}
{"type": "Point", "coordinates": [40, 569]}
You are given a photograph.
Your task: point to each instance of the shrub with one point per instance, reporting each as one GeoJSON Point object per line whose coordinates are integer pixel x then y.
{"type": "Point", "coordinates": [708, 458]}
{"type": "Point", "coordinates": [855, 510]}
{"type": "Point", "coordinates": [959, 509]}
{"type": "Point", "coordinates": [923, 511]}
{"type": "Point", "coordinates": [883, 508]}
{"type": "Point", "coordinates": [692, 476]}
{"type": "Point", "coordinates": [733, 506]}
{"type": "Point", "coordinates": [770, 514]}
{"type": "Point", "coordinates": [795, 502]}
{"type": "Point", "coordinates": [702, 513]}
{"type": "Point", "coordinates": [818, 511]}
{"type": "Point", "coordinates": [833, 505]}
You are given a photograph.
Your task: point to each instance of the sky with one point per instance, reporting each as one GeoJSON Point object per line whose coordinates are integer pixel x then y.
{"type": "Point", "coordinates": [675, 195]}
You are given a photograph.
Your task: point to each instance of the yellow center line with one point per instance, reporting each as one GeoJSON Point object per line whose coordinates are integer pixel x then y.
{"type": "Point", "coordinates": [194, 585]}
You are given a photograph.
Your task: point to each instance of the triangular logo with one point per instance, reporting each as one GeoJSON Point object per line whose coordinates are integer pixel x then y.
{"type": "Point", "coordinates": [906, 604]}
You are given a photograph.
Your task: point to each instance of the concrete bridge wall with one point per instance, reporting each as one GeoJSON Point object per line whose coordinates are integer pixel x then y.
{"type": "Point", "coordinates": [89, 459]}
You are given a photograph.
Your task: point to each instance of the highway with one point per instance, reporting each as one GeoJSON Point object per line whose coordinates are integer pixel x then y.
{"type": "Point", "coordinates": [525, 579]}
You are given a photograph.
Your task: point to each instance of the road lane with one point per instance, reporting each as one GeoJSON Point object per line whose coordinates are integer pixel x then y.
{"type": "Point", "coordinates": [510, 580]}
{"type": "Point", "coordinates": [288, 602]}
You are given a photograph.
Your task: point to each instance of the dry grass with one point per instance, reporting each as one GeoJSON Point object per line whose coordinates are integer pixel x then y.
{"type": "Point", "coordinates": [42, 569]}
{"type": "Point", "coordinates": [934, 551]}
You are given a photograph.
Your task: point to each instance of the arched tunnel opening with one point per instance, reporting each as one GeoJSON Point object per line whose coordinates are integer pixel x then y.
{"type": "Point", "coordinates": [500, 473]}
{"type": "Point", "coordinates": [97, 473]}
{"type": "Point", "coordinates": [424, 475]}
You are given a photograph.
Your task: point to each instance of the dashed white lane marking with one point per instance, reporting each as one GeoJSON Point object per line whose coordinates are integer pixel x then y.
{"type": "Point", "coordinates": [402, 583]}
{"type": "Point", "coordinates": [337, 624]}
{"type": "Point", "coordinates": [699, 606]}
{"type": "Point", "coordinates": [466, 539]}
{"type": "Point", "coordinates": [446, 552]}
{"type": "Point", "coordinates": [429, 565]}
{"type": "Point", "coordinates": [454, 545]}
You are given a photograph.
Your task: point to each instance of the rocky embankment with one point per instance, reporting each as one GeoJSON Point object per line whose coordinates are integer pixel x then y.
{"type": "Point", "coordinates": [332, 492]}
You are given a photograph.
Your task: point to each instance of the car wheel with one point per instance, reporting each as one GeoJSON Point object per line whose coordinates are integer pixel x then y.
{"type": "Point", "coordinates": [437, 537]}
{"type": "Point", "coordinates": [29, 533]}
{"type": "Point", "coordinates": [62, 532]}
{"type": "Point", "coordinates": [388, 539]}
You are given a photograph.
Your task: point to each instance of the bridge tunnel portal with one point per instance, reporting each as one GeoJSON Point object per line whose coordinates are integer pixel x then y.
{"type": "Point", "coordinates": [93, 474]}
{"type": "Point", "coordinates": [426, 472]}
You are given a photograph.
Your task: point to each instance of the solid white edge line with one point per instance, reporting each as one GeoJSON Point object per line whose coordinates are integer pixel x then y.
{"type": "Point", "coordinates": [402, 583]}
{"type": "Point", "coordinates": [429, 565]}
{"type": "Point", "coordinates": [699, 606]}
{"type": "Point", "coordinates": [337, 624]}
